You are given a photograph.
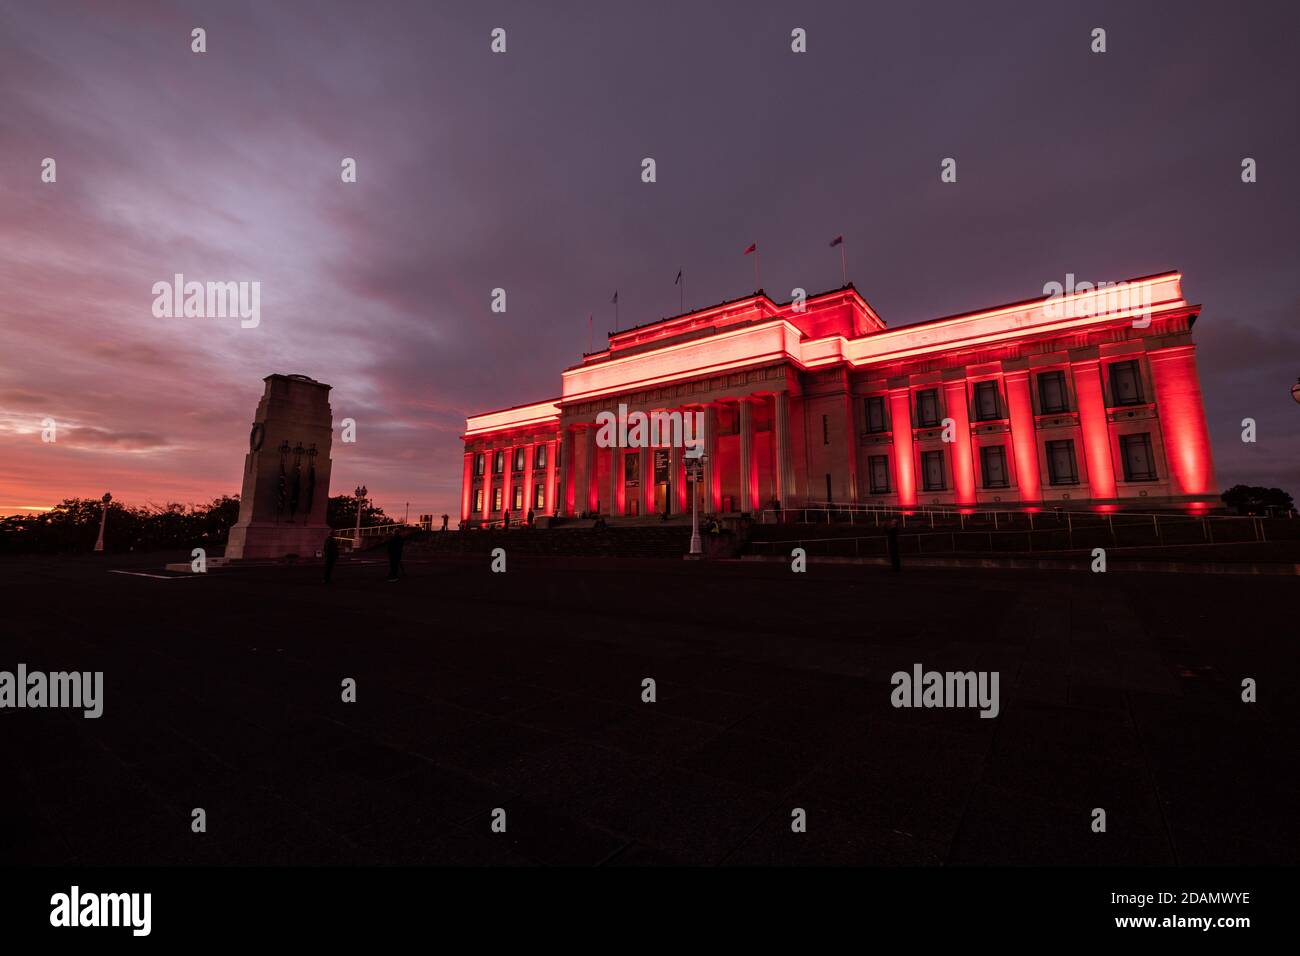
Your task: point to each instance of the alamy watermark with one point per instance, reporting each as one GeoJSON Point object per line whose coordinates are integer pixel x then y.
{"type": "Point", "coordinates": [1070, 300]}
{"type": "Point", "coordinates": [75, 908]}
{"type": "Point", "coordinates": [211, 300]}
{"type": "Point", "coordinates": [36, 689]}
{"type": "Point", "coordinates": [658, 429]}
{"type": "Point", "coordinates": [922, 688]}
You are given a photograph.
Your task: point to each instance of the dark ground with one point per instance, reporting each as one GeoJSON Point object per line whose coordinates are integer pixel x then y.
{"type": "Point", "coordinates": [522, 691]}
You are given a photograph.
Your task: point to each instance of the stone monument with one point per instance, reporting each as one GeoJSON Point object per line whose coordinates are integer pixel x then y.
{"type": "Point", "coordinates": [286, 473]}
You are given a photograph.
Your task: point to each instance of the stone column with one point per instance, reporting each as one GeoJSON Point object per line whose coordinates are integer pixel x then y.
{"type": "Point", "coordinates": [567, 472]}
{"type": "Point", "coordinates": [529, 482]}
{"type": "Point", "coordinates": [963, 467]}
{"type": "Point", "coordinates": [747, 495]}
{"type": "Point", "coordinates": [588, 491]}
{"type": "Point", "coordinates": [489, 454]}
{"type": "Point", "coordinates": [647, 480]}
{"type": "Point", "coordinates": [550, 501]}
{"type": "Point", "coordinates": [507, 479]}
{"type": "Point", "coordinates": [1096, 431]}
{"type": "Point", "coordinates": [900, 414]}
{"type": "Point", "coordinates": [851, 427]}
{"type": "Point", "coordinates": [712, 495]}
{"type": "Point", "coordinates": [677, 481]}
{"type": "Point", "coordinates": [467, 487]}
{"type": "Point", "coordinates": [784, 462]}
{"type": "Point", "coordinates": [1182, 420]}
{"type": "Point", "coordinates": [615, 476]}
{"type": "Point", "coordinates": [1024, 438]}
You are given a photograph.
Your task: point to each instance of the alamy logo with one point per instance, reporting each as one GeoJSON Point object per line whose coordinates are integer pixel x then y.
{"type": "Point", "coordinates": [947, 689]}
{"type": "Point", "coordinates": [103, 909]}
{"type": "Point", "coordinates": [653, 430]}
{"type": "Point", "coordinates": [36, 689]}
{"type": "Point", "coordinates": [1070, 300]}
{"type": "Point", "coordinates": [211, 300]}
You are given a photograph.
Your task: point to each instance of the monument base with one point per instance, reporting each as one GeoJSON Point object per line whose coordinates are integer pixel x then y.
{"type": "Point", "coordinates": [275, 540]}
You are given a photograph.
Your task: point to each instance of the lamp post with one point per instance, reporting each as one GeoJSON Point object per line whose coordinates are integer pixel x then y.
{"type": "Point", "coordinates": [1295, 390]}
{"type": "Point", "coordinates": [361, 499]}
{"type": "Point", "coordinates": [694, 469]}
{"type": "Point", "coordinates": [103, 516]}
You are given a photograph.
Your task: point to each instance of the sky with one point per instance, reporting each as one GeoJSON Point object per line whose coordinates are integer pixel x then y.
{"type": "Point", "coordinates": [522, 170]}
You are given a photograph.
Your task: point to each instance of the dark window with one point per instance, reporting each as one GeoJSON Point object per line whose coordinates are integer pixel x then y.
{"type": "Point", "coordinates": [478, 500]}
{"type": "Point", "coordinates": [1125, 383]}
{"type": "Point", "coordinates": [521, 455]}
{"type": "Point", "coordinates": [932, 470]}
{"type": "Point", "coordinates": [826, 429]}
{"type": "Point", "coordinates": [540, 460]}
{"type": "Point", "coordinates": [496, 499]}
{"type": "Point", "coordinates": [1052, 396]}
{"type": "Point", "coordinates": [479, 463]}
{"type": "Point", "coordinates": [927, 407]}
{"type": "Point", "coordinates": [1061, 467]}
{"type": "Point", "coordinates": [993, 464]}
{"type": "Point", "coordinates": [986, 401]}
{"type": "Point", "coordinates": [828, 489]}
{"type": "Point", "coordinates": [1139, 463]}
{"type": "Point", "coordinates": [878, 466]}
{"type": "Point", "coordinates": [498, 462]}
{"type": "Point", "coordinates": [876, 420]}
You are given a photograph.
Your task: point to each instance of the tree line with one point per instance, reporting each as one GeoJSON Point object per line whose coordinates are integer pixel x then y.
{"type": "Point", "coordinates": [73, 525]}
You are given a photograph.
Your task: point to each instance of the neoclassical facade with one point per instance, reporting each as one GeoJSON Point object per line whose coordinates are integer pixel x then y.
{"type": "Point", "coordinates": [1085, 400]}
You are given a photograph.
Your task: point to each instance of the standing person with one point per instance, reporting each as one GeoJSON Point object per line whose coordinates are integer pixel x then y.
{"type": "Point", "coordinates": [331, 557]}
{"type": "Point", "coordinates": [530, 517]}
{"type": "Point", "coordinates": [891, 538]}
{"type": "Point", "coordinates": [505, 520]}
{"type": "Point", "coordinates": [394, 556]}
{"type": "Point", "coordinates": [444, 522]}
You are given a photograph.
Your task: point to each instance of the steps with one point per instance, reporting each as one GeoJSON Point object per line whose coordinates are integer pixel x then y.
{"type": "Point", "coordinates": [655, 541]}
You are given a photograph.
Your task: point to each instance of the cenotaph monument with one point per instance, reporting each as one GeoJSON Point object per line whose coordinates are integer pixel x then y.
{"type": "Point", "coordinates": [286, 473]}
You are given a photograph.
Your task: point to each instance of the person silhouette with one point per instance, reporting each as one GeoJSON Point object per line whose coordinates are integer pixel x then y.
{"type": "Point", "coordinates": [891, 542]}
{"type": "Point", "coordinates": [394, 556]}
{"type": "Point", "coordinates": [444, 522]}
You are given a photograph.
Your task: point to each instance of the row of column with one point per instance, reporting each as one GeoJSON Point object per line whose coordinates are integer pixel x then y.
{"type": "Point", "coordinates": [1181, 418]}
{"type": "Point", "coordinates": [579, 491]}
{"type": "Point", "coordinates": [507, 477]}
{"type": "Point", "coordinates": [570, 487]}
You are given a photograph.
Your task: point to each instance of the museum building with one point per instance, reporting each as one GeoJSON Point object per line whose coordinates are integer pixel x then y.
{"type": "Point", "coordinates": [1083, 400]}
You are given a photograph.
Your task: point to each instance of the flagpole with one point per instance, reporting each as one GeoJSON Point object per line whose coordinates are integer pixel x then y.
{"type": "Point", "coordinates": [757, 285]}
{"type": "Point", "coordinates": [844, 276]}
{"type": "Point", "coordinates": [591, 335]}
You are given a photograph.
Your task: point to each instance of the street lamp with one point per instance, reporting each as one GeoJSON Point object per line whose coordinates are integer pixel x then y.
{"type": "Point", "coordinates": [361, 498]}
{"type": "Point", "coordinates": [694, 471]}
{"type": "Point", "coordinates": [1295, 390]}
{"type": "Point", "coordinates": [103, 515]}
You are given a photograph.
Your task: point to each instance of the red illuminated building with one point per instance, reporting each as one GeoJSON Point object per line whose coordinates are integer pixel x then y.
{"type": "Point", "coordinates": [1087, 400]}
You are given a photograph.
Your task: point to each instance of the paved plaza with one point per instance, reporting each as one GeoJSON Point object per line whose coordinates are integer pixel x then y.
{"type": "Point", "coordinates": [523, 691]}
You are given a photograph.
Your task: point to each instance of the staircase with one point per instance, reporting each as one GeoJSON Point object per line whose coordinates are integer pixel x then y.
{"type": "Point", "coordinates": [635, 541]}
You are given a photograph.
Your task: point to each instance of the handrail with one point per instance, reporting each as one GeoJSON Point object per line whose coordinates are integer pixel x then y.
{"type": "Point", "coordinates": [1066, 526]}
